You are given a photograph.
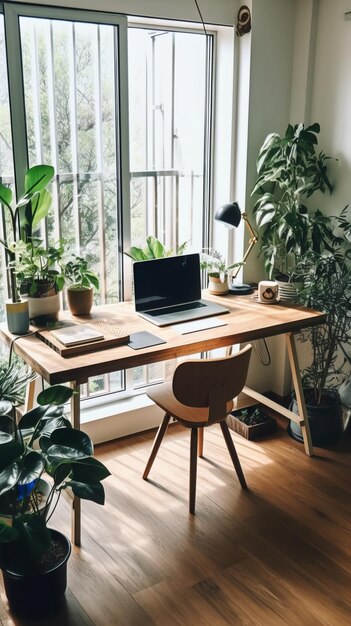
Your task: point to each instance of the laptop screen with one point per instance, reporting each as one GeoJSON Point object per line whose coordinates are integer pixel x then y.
{"type": "Point", "coordinates": [166, 282]}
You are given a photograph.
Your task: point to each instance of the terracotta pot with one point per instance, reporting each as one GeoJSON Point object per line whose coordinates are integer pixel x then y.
{"type": "Point", "coordinates": [216, 287]}
{"type": "Point", "coordinates": [80, 301]}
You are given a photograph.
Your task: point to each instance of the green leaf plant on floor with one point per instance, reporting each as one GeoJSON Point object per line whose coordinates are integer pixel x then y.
{"type": "Point", "coordinates": [42, 443]}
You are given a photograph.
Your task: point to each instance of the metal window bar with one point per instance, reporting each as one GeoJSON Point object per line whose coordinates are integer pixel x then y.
{"type": "Point", "coordinates": [156, 176]}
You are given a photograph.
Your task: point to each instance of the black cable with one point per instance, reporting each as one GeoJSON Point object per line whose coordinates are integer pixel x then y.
{"type": "Point", "coordinates": [201, 18]}
{"type": "Point", "coordinates": [269, 360]}
{"type": "Point", "coordinates": [33, 332]}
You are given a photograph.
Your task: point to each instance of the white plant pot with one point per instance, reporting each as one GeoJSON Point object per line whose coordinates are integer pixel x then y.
{"type": "Point", "coordinates": [216, 287]}
{"type": "Point", "coordinates": [44, 309]}
{"type": "Point", "coordinates": [288, 291]}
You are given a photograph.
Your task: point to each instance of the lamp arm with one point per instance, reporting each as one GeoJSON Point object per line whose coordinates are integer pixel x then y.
{"type": "Point", "coordinates": [252, 241]}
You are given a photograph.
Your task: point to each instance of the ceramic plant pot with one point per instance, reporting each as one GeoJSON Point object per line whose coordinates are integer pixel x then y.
{"type": "Point", "coordinates": [37, 593]}
{"type": "Point", "coordinates": [325, 421]}
{"type": "Point", "coordinates": [44, 310]}
{"type": "Point", "coordinates": [80, 301]}
{"type": "Point", "coordinates": [17, 315]}
{"type": "Point", "coordinates": [288, 291]}
{"type": "Point", "coordinates": [216, 287]}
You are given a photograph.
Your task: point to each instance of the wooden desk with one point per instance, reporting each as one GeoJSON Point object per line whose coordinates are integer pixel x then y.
{"type": "Point", "coordinates": [246, 322]}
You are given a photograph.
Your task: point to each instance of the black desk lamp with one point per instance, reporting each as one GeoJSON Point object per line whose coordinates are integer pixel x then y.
{"type": "Point", "coordinates": [231, 216]}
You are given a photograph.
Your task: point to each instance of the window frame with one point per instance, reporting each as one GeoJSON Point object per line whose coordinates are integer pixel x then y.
{"type": "Point", "coordinates": [12, 15]}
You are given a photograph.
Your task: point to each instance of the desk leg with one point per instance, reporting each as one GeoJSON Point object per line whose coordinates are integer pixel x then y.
{"type": "Point", "coordinates": [30, 395]}
{"type": "Point", "coordinates": [295, 371]}
{"type": "Point", "coordinates": [76, 505]}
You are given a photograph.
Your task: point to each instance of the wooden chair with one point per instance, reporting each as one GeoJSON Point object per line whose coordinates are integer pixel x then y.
{"type": "Point", "coordinates": [201, 394]}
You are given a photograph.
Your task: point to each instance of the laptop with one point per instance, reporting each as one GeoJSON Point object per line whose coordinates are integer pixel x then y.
{"type": "Point", "coordinates": [168, 290]}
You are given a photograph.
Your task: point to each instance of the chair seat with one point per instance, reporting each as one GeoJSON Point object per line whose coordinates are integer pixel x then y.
{"type": "Point", "coordinates": [163, 396]}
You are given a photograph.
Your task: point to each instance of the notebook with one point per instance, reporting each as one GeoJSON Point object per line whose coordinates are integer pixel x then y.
{"type": "Point", "coordinates": [77, 334]}
{"type": "Point", "coordinates": [168, 291]}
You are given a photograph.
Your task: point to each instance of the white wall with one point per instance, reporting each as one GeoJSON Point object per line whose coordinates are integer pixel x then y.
{"type": "Point", "coordinates": [331, 96]}
{"type": "Point", "coordinates": [272, 42]}
{"type": "Point", "coordinates": [213, 12]}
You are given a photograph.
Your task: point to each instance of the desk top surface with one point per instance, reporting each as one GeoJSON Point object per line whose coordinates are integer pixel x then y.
{"type": "Point", "coordinates": [246, 321]}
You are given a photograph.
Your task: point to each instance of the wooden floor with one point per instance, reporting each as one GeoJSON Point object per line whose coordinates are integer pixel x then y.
{"type": "Point", "coordinates": [277, 554]}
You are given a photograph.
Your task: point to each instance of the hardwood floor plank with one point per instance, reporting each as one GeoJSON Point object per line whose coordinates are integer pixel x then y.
{"type": "Point", "coordinates": [277, 554]}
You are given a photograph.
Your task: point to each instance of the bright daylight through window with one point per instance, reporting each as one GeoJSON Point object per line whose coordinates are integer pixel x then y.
{"type": "Point", "coordinates": [72, 101]}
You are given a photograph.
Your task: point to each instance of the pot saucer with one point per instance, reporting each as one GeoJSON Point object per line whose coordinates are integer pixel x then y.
{"type": "Point", "coordinates": [255, 299]}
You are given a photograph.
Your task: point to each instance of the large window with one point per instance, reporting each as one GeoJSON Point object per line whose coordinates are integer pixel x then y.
{"type": "Point", "coordinates": [115, 182]}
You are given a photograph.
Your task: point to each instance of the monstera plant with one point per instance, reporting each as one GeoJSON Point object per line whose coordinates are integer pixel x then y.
{"type": "Point", "coordinates": [33, 557]}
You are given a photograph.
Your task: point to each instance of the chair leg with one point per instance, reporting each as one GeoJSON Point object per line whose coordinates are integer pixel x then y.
{"type": "Point", "coordinates": [157, 442]}
{"type": "Point", "coordinates": [193, 466]}
{"type": "Point", "coordinates": [200, 446]}
{"type": "Point", "coordinates": [233, 454]}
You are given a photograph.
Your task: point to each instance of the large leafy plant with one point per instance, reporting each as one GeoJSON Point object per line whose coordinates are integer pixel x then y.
{"type": "Point", "coordinates": [214, 263]}
{"type": "Point", "coordinates": [14, 378]}
{"type": "Point", "coordinates": [327, 287]}
{"type": "Point", "coordinates": [43, 442]}
{"type": "Point", "coordinates": [289, 172]}
{"type": "Point", "coordinates": [37, 264]}
{"type": "Point", "coordinates": [153, 249]}
{"type": "Point", "coordinates": [24, 216]}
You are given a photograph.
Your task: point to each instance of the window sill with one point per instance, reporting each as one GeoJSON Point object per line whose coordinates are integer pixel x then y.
{"type": "Point", "coordinates": [120, 418]}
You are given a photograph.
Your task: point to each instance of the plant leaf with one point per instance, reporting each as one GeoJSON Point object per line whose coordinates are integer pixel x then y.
{"type": "Point", "coordinates": [57, 394]}
{"type": "Point", "coordinates": [37, 177]}
{"type": "Point", "coordinates": [95, 493]}
{"type": "Point", "coordinates": [33, 467]}
{"type": "Point", "coordinates": [5, 196]}
{"type": "Point", "coordinates": [9, 477]}
{"type": "Point", "coordinates": [73, 438]}
{"type": "Point", "coordinates": [89, 471]}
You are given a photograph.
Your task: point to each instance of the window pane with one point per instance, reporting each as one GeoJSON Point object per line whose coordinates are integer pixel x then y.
{"type": "Point", "coordinates": [70, 79]}
{"type": "Point", "coordinates": [6, 161]}
{"type": "Point", "coordinates": [167, 101]}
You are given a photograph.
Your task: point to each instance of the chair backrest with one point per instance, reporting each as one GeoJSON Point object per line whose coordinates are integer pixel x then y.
{"type": "Point", "coordinates": [211, 383]}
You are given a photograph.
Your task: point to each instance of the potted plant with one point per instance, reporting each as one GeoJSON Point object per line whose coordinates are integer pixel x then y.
{"type": "Point", "coordinates": [33, 557]}
{"type": "Point", "coordinates": [22, 219]}
{"type": "Point", "coordinates": [289, 172]}
{"type": "Point", "coordinates": [153, 249]}
{"type": "Point", "coordinates": [40, 270]}
{"type": "Point", "coordinates": [14, 378]}
{"type": "Point", "coordinates": [327, 287]}
{"type": "Point", "coordinates": [251, 423]}
{"type": "Point", "coordinates": [218, 271]}
{"type": "Point", "coordinates": [81, 283]}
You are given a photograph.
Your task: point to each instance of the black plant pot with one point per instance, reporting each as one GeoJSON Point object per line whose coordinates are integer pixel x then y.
{"type": "Point", "coordinates": [325, 421]}
{"type": "Point", "coordinates": [36, 594]}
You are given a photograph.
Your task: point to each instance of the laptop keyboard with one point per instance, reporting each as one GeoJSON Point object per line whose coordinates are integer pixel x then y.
{"type": "Point", "coordinates": [176, 309]}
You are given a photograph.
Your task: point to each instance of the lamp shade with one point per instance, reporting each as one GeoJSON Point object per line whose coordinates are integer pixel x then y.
{"type": "Point", "coordinates": [229, 214]}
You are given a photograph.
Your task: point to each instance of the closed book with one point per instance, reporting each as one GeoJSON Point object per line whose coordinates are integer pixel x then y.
{"type": "Point", "coordinates": [77, 334]}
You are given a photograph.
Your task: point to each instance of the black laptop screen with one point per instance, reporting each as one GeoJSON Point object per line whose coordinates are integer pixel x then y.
{"type": "Point", "coordinates": [166, 282]}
